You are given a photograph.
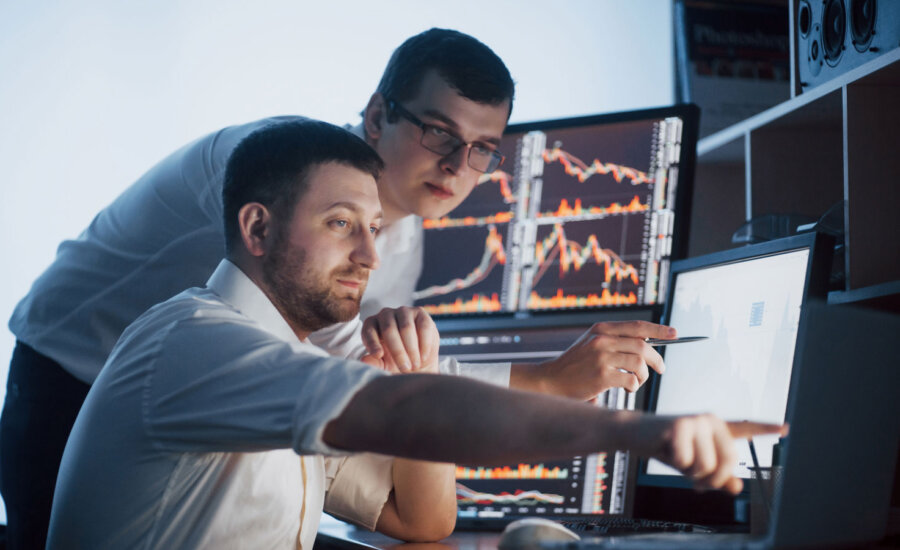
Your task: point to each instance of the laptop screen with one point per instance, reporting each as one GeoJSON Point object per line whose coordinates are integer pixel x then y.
{"type": "Point", "coordinates": [748, 303]}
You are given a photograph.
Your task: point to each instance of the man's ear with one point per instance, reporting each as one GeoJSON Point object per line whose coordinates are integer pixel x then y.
{"type": "Point", "coordinates": [374, 117]}
{"type": "Point", "coordinates": [255, 222]}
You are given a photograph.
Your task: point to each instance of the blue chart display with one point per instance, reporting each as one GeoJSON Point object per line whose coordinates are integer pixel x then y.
{"type": "Point", "coordinates": [581, 215]}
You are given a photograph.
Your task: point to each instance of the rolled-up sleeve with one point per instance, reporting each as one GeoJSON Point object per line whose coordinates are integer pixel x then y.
{"type": "Point", "coordinates": [491, 373]}
{"type": "Point", "coordinates": [232, 387]}
{"type": "Point", "coordinates": [358, 486]}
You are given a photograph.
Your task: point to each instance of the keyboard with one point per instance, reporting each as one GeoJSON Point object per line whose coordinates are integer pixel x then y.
{"type": "Point", "coordinates": [617, 525]}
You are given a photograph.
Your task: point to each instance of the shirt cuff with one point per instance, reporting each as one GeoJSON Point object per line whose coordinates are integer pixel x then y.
{"type": "Point", "coordinates": [359, 487]}
{"type": "Point", "coordinates": [491, 373]}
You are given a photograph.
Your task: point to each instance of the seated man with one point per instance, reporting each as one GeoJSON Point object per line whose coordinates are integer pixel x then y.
{"type": "Point", "coordinates": [164, 234]}
{"type": "Point", "coordinates": [188, 436]}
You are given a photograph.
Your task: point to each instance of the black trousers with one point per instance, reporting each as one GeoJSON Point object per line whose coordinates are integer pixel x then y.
{"type": "Point", "coordinates": [42, 401]}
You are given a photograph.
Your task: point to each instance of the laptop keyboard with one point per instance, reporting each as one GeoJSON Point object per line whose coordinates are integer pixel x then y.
{"type": "Point", "coordinates": [616, 525]}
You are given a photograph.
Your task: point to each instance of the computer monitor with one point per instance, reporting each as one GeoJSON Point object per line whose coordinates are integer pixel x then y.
{"type": "Point", "coordinates": [750, 303]}
{"type": "Point", "coordinates": [585, 213]}
{"type": "Point", "coordinates": [577, 487]}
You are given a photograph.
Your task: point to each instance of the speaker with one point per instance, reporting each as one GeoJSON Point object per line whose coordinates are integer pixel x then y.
{"type": "Point", "coordinates": [834, 36]}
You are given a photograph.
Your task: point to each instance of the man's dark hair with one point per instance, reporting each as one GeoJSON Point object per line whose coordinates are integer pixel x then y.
{"type": "Point", "coordinates": [270, 167]}
{"type": "Point", "coordinates": [467, 65]}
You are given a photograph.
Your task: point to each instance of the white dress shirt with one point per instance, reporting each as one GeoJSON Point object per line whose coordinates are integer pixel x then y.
{"type": "Point", "coordinates": [190, 435]}
{"type": "Point", "coordinates": [165, 234]}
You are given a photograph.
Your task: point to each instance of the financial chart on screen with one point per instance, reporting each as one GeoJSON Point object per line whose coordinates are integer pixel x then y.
{"type": "Point", "coordinates": [581, 215]}
{"type": "Point", "coordinates": [576, 486]}
{"type": "Point", "coordinates": [750, 310]}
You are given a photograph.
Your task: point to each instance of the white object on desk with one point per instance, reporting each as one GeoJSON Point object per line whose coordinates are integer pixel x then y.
{"type": "Point", "coordinates": [529, 533]}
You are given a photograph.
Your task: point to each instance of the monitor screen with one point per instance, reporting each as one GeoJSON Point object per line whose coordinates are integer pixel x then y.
{"type": "Point", "coordinates": [749, 304]}
{"type": "Point", "coordinates": [575, 487]}
{"type": "Point", "coordinates": [584, 213]}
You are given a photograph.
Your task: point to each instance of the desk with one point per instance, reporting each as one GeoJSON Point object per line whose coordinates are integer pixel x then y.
{"type": "Point", "coordinates": [336, 535]}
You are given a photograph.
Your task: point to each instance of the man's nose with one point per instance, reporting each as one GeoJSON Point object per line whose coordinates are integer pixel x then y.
{"type": "Point", "coordinates": [365, 253]}
{"type": "Point", "coordinates": [456, 161]}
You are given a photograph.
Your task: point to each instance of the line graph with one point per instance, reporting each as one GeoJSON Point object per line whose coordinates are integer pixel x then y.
{"type": "Point", "coordinates": [503, 178]}
{"type": "Point", "coordinates": [483, 206]}
{"type": "Point", "coordinates": [493, 255]}
{"type": "Point", "coordinates": [522, 471]}
{"type": "Point", "coordinates": [573, 255]}
{"type": "Point", "coordinates": [467, 221]}
{"type": "Point", "coordinates": [464, 495]}
{"type": "Point", "coordinates": [577, 168]}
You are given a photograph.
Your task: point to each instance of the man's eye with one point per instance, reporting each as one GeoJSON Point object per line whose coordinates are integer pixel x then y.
{"type": "Point", "coordinates": [375, 230]}
{"type": "Point", "coordinates": [483, 150]}
{"type": "Point", "coordinates": [439, 132]}
{"type": "Point", "coordinates": [340, 223]}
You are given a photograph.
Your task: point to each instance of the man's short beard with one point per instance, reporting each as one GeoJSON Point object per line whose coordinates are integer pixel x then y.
{"type": "Point", "coordinates": [307, 303]}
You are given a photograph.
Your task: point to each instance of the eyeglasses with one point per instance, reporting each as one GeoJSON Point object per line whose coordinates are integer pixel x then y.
{"type": "Point", "coordinates": [438, 140]}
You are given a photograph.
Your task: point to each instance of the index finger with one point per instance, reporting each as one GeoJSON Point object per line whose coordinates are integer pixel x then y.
{"type": "Point", "coordinates": [370, 337]}
{"type": "Point", "coordinates": [635, 329]}
{"type": "Point", "coordinates": [745, 429]}
{"type": "Point", "coordinates": [427, 332]}
{"type": "Point", "coordinates": [394, 343]}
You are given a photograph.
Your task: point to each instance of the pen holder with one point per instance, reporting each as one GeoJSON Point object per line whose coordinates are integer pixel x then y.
{"type": "Point", "coordinates": [765, 483]}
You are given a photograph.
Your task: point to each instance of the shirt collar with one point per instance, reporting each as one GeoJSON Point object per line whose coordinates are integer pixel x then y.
{"type": "Point", "coordinates": [237, 289]}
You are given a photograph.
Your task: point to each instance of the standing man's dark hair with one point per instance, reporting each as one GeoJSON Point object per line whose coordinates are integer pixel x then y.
{"type": "Point", "coordinates": [266, 165]}
{"type": "Point", "coordinates": [465, 63]}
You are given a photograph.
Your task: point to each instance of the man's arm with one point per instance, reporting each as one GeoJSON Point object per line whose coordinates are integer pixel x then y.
{"type": "Point", "coordinates": [451, 419]}
{"type": "Point", "coordinates": [422, 505]}
{"type": "Point", "coordinates": [608, 355]}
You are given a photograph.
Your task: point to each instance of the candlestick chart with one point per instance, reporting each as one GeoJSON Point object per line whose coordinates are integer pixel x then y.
{"type": "Point", "coordinates": [576, 486]}
{"type": "Point", "coordinates": [521, 471]}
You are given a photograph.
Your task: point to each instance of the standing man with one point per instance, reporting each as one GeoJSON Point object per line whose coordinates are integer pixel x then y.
{"type": "Point", "coordinates": [436, 119]}
{"type": "Point", "coordinates": [189, 437]}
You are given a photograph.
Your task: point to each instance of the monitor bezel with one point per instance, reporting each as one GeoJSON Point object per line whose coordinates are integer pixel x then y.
{"type": "Point", "coordinates": [690, 117]}
{"type": "Point", "coordinates": [821, 247]}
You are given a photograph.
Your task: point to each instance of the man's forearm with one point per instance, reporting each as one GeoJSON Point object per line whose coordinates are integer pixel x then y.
{"type": "Point", "coordinates": [422, 506]}
{"type": "Point", "coordinates": [450, 419]}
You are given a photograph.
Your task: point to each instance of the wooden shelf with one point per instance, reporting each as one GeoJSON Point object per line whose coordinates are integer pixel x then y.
{"type": "Point", "coordinates": [881, 70]}
{"type": "Point", "coordinates": [833, 143]}
{"type": "Point", "coordinates": [885, 296]}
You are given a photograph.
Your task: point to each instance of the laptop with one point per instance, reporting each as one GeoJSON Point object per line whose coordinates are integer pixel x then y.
{"type": "Point", "coordinates": [777, 352]}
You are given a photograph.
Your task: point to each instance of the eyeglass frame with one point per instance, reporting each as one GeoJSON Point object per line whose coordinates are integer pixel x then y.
{"type": "Point", "coordinates": [495, 155]}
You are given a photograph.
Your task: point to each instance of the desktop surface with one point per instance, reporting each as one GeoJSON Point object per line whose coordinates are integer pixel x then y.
{"type": "Point", "coordinates": [337, 535]}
